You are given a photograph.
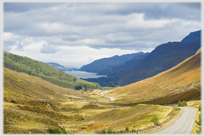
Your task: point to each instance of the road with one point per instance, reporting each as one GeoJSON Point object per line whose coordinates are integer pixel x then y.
{"type": "Point", "coordinates": [103, 95]}
{"type": "Point", "coordinates": [183, 125]}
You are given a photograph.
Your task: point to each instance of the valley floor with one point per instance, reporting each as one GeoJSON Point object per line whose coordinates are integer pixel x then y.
{"type": "Point", "coordinates": [85, 117]}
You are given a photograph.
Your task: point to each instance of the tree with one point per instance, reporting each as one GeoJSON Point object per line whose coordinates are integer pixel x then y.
{"type": "Point", "coordinates": [179, 103]}
{"type": "Point", "coordinates": [182, 104]}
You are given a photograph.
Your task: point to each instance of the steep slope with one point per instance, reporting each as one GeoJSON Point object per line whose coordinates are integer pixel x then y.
{"type": "Point", "coordinates": [56, 66]}
{"type": "Point", "coordinates": [162, 58]}
{"type": "Point", "coordinates": [31, 104]}
{"type": "Point", "coordinates": [106, 63]}
{"type": "Point", "coordinates": [44, 71]}
{"type": "Point", "coordinates": [22, 86]}
{"type": "Point", "coordinates": [182, 82]}
{"type": "Point", "coordinates": [128, 65]}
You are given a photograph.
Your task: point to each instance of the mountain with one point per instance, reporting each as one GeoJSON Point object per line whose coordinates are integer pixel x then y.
{"type": "Point", "coordinates": [107, 63]}
{"type": "Point", "coordinates": [122, 67]}
{"type": "Point", "coordinates": [45, 71]}
{"type": "Point", "coordinates": [182, 82]}
{"type": "Point", "coordinates": [68, 67]}
{"type": "Point", "coordinates": [163, 57]}
{"type": "Point", "coordinates": [56, 66]}
{"type": "Point", "coordinates": [192, 36]}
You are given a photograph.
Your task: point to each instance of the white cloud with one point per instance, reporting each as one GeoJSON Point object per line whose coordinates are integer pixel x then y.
{"type": "Point", "coordinates": [8, 36]}
{"type": "Point", "coordinates": [92, 42]}
{"type": "Point", "coordinates": [136, 21]}
{"type": "Point", "coordinates": [53, 28]}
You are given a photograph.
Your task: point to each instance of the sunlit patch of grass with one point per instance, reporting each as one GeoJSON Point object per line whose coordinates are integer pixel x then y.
{"type": "Point", "coordinates": [137, 116]}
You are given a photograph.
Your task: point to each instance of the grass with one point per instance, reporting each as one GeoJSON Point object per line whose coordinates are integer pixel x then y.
{"type": "Point", "coordinates": [118, 119]}
{"type": "Point", "coordinates": [32, 105]}
{"type": "Point", "coordinates": [195, 105]}
{"type": "Point", "coordinates": [167, 87]}
{"type": "Point", "coordinates": [25, 87]}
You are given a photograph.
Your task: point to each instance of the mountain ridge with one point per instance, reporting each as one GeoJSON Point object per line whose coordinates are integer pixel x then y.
{"type": "Point", "coordinates": [106, 63]}
{"type": "Point", "coordinates": [163, 57]}
{"type": "Point", "coordinates": [181, 82]}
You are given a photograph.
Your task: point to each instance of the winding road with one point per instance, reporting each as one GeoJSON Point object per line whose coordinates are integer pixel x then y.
{"type": "Point", "coordinates": [103, 95]}
{"type": "Point", "coordinates": [183, 125]}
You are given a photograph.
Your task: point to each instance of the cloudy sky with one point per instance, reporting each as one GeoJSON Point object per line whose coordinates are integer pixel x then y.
{"type": "Point", "coordinates": [79, 33]}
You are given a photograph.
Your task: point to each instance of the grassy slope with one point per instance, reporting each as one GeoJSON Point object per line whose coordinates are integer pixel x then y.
{"type": "Point", "coordinates": [45, 71]}
{"type": "Point", "coordinates": [28, 108]}
{"type": "Point", "coordinates": [23, 86]}
{"type": "Point", "coordinates": [181, 82]}
{"type": "Point", "coordinates": [31, 104]}
{"type": "Point", "coordinates": [195, 104]}
{"type": "Point", "coordinates": [135, 117]}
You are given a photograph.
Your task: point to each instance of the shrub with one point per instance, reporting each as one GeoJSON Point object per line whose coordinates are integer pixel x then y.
{"type": "Point", "coordinates": [54, 131]}
{"type": "Point", "coordinates": [182, 104]}
{"type": "Point", "coordinates": [176, 108]}
{"type": "Point", "coordinates": [78, 117]}
{"type": "Point", "coordinates": [127, 129]}
{"type": "Point", "coordinates": [199, 124]}
{"type": "Point", "coordinates": [110, 131]}
{"type": "Point", "coordinates": [103, 130]}
{"type": "Point", "coordinates": [155, 120]}
{"type": "Point", "coordinates": [133, 130]}
{"type": "Point", "coordinates": [199, 107]}
{"type": "Point", "coordinates": [179, 103]}
{"type": "Point", "coordinates": [64, 131]}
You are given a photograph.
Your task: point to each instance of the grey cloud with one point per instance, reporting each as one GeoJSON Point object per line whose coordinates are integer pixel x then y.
{"type": "Point", "coordinates": [24, 7]}
{"type": "Point", "coordinates": [96, 21]}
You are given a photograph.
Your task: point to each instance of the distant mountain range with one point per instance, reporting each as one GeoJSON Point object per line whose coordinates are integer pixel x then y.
{"type": "Point", "coordinates": [106, 64]}
{"type": "Point", "coordinates": [162, 58]}
{"type": "Point", "coordinates": [122, 67]}
{"type": "Point", "coordinates": [60, 67]}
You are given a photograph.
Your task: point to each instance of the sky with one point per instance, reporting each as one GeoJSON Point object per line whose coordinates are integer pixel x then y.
{"type": "Point", "coordinates": [78, 33]}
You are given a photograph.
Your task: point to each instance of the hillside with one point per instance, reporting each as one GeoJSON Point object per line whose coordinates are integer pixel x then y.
{"type": "Point", "coordinates": [107, 63]}
{"type": "Point", "coordinates": [22, 86]}
{"type": "Point", "coordinates": [182, 82]}
{"type": "Point", "coordinates": [163, 57]}
{"type": "Point", "coordinates": [45, 71]}
{"type": "Point", "coordinates": [32, 105]}
{"type": "Point", "coordinates": [122, 67]}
